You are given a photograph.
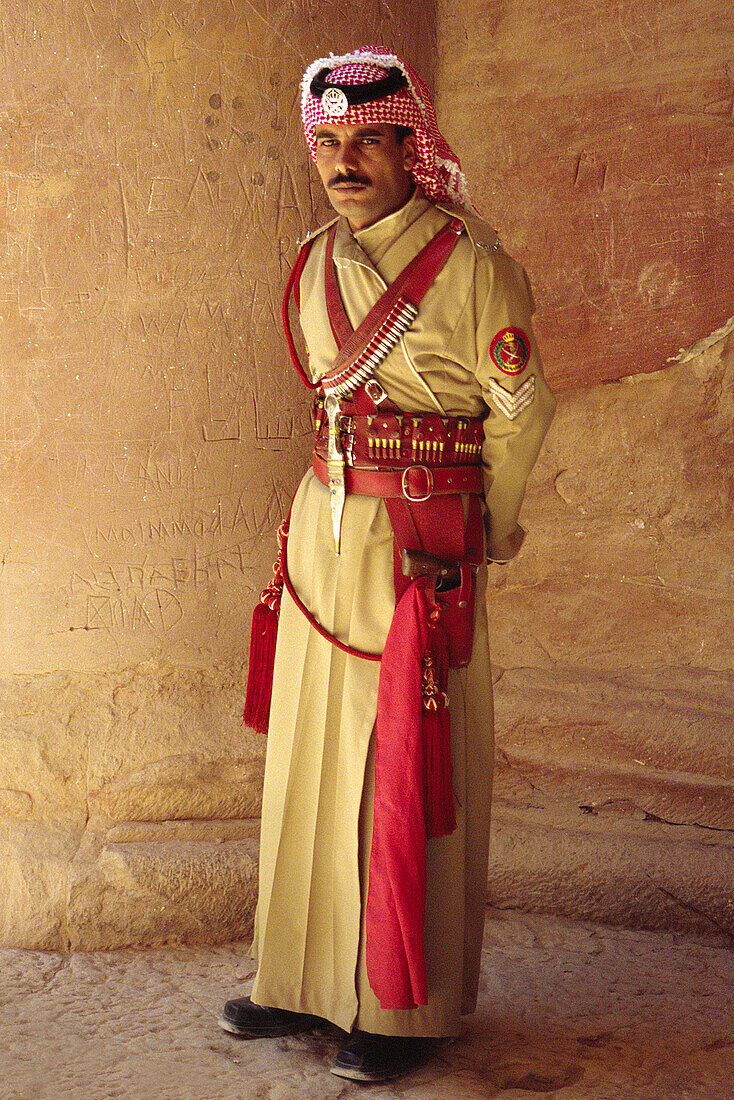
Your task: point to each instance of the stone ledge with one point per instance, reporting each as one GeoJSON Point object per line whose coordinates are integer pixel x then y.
{"type": "Point", "coordinates": [638, 874]}
{"type": "Point", "coordinates": [535, 780]}
{"type": "Point", "coordinates": [143, 884]}
{"type": "Point", "coordinates": [195, 882]}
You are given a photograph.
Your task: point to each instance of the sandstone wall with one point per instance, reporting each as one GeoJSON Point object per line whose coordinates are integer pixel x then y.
{"type": "Point", "coordinates": [598, 138]}
{"type": "Point", "coordinates": [154, 183]}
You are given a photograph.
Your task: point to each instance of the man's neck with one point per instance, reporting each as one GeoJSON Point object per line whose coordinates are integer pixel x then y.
{"type": "Point", "coordinates": [355, 228]}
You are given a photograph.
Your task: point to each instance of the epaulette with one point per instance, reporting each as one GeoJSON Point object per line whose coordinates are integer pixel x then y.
{"type": "Point", "coordinates": [312, 234]}
{"type": "Point", "coordinates": [480, 234]}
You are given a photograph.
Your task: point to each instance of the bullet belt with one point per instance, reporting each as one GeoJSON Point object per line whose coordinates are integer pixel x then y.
{"type": "Point", "coordinates": [401, 440]}
{"type": "Point", "coordinates": [416, 483]}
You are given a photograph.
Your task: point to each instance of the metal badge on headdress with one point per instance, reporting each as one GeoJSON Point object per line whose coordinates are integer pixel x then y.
{"type": "Point", "coordinates": [374, 85]}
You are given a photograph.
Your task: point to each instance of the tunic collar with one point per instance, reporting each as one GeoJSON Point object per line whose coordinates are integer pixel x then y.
{"type": "Point", "coordinates": [376, 239]}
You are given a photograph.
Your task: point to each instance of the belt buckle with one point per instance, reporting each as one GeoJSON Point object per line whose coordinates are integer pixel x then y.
{"type": "Point", "coordinates": [374, 390]}
{"type": "Point", "coordinates": [429, 482]}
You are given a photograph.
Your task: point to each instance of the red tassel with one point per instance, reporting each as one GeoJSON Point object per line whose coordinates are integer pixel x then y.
{"type": "Point", "coordinates": [263, 637]}
{"type": "Point", "coordinates": [440, 811]}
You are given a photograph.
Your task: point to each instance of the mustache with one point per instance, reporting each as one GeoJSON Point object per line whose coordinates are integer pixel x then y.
{"type": "Point", "coordinates": [349, 177]}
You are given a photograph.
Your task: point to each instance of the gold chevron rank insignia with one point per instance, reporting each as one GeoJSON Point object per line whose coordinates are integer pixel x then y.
{"type": "Point", "coordinates": [512, 404]}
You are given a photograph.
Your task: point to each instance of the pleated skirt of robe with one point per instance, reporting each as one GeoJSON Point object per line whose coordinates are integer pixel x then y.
{"type": "Point", "coordinates": [319, 782]}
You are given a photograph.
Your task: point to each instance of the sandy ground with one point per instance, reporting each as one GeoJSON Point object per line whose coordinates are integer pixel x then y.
{"type": "Point", "coordinates": [566, 1010]}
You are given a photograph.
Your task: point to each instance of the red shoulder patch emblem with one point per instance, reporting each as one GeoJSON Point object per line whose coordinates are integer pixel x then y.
{"type": "Point", "coordinates": [510, 350]}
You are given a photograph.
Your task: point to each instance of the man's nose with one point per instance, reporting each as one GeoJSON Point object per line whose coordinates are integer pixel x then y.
{"type": "Point", "coordinates": [348, 155]}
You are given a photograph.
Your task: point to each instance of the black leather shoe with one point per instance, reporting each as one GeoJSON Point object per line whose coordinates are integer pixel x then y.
{"type": "Point", "coordinates": [250, 1021]}
{"type": "Point", "coordinates": [368, 1057]}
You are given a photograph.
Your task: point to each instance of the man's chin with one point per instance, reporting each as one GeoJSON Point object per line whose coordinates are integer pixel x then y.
{"type": "Point", "coordinates": [358, 208]}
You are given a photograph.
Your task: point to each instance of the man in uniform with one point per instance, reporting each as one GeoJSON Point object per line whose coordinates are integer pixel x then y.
{"type": "Point", "coordinates": [375, 835]}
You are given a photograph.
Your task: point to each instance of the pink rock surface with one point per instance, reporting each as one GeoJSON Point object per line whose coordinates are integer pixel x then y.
{"type": "Point", "coordinates": [598, 139]}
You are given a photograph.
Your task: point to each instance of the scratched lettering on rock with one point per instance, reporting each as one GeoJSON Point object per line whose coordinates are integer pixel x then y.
{"type": "Point", "coordinates": [192, 524]}
{"type": "Point", "coordinates": [250, 516]}
{"type": "Point", "coordinates": [277, 422]}
{"type": "Point", "coordinates": [132, 466]}
{"type": "Point", "coordinates": [138, 595]}
{"type": "Point", "coordinates": [174, 573]}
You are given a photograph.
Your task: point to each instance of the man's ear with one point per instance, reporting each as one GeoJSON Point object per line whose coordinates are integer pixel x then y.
{"type": "Point", "coordinates": [410, 151]}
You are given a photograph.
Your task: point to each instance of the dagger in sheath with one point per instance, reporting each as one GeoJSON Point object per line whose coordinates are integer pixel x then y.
{"type": "Point", "coordinates": [335, 466]}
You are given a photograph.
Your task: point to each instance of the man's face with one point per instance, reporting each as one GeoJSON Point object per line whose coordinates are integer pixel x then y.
{"type": "Point", "coordinates": [365, 170]}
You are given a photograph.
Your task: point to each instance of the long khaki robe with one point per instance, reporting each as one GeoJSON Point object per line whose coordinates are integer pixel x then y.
{"type": "Point", "coordinates": [318, 794]}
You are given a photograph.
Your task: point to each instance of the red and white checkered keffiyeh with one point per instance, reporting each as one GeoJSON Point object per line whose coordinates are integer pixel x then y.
{"type": "Point", "coordinates": [438, 171]}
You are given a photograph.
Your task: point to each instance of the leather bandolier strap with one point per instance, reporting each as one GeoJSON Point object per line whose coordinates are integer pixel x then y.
{"type": "Point", "coordinates": [416, 463]}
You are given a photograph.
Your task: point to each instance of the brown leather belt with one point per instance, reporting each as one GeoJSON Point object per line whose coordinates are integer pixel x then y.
{"type": "Point", "coordinates": [416, 483]}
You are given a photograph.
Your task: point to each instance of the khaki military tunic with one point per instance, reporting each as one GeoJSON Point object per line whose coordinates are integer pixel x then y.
{"type": "Point", "coordinates": [317, 803]}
